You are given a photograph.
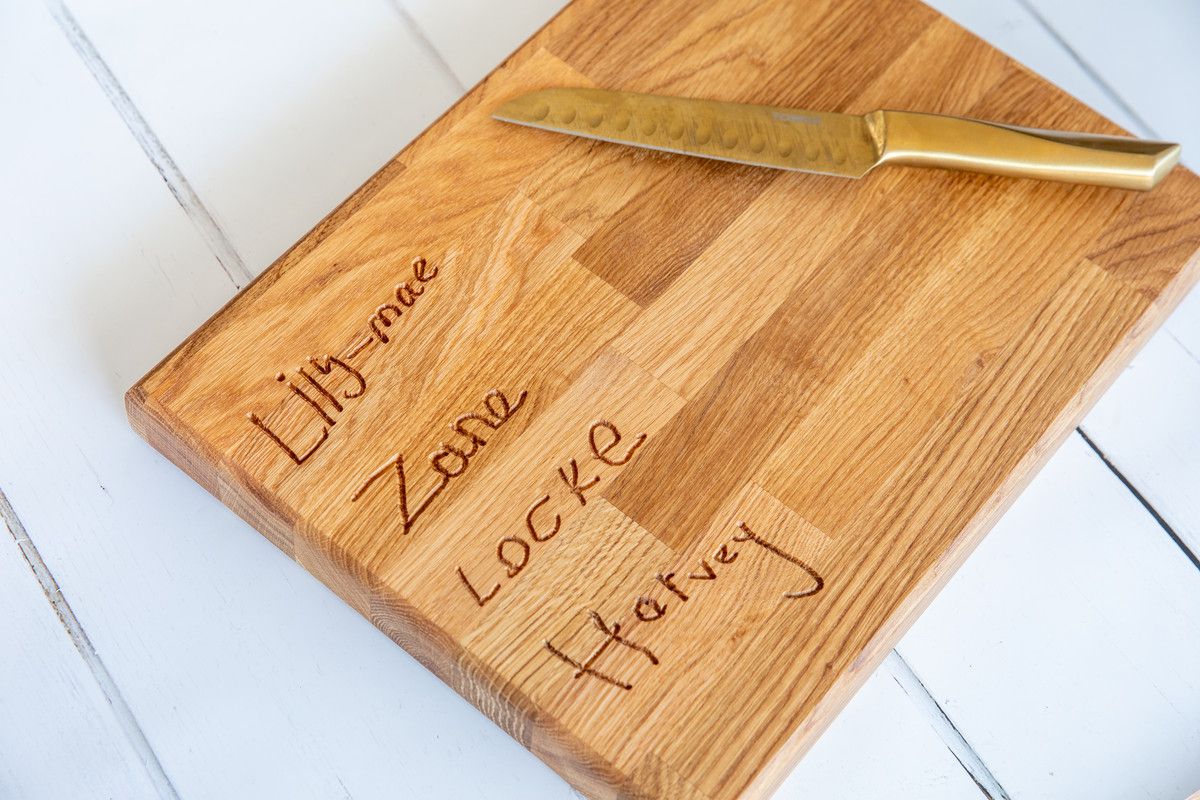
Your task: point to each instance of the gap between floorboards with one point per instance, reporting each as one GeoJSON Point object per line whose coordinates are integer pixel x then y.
{"type": "Point", "coordinates": [181, 189]}
{"type": "Point", "coordinates": [945, 728]}
{"type": "Point", "coordinates": [1143, 128]}
{"type": "Point", "coordinates": [1150, 509]}
{"type": "Point", "coordinates": [83, 645]}
{"type": "Point", "coordinates": [427, 46]}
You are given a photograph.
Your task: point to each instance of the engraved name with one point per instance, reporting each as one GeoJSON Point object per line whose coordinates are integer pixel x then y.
{"type": "Point", "coordinates": [472, 432]}
{"type": "Point", "coordinates": [542, 521]}
{"type": "Point", "coordinates": [648, 609]}
{"type": "Point", "coordinates": [326, 384]}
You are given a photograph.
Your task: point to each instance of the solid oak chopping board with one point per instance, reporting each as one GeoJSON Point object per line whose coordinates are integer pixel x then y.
{"type": "Point", "coordinates": [652, 458]}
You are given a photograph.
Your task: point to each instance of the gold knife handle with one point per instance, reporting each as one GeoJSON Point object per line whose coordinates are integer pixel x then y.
{"type": "Point", "coordinates": [933, 140]}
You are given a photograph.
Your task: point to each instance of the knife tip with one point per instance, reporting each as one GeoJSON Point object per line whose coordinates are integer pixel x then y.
{"type": "Point", "coordinates": [524, 108]}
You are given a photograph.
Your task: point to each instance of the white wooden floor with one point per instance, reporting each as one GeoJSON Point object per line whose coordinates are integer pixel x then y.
{"type": "Point", "coordinates": [154, 156]}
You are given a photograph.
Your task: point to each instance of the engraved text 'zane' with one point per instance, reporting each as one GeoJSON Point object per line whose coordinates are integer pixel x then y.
{"type": "Point", "coordinates": [449, 461]}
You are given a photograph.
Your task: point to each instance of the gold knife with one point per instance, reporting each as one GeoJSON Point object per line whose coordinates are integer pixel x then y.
{"type": "Point", "coordinates": [847, 145]}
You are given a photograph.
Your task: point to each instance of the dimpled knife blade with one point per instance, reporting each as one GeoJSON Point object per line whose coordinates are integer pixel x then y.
{"type": "Point", "coordinates": [782, 138]}
{"type": "Point", "coordinates": [848, 145]}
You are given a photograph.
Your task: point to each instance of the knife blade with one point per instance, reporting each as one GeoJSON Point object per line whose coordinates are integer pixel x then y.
{"type": "Point", "coordinates": [845, 145]}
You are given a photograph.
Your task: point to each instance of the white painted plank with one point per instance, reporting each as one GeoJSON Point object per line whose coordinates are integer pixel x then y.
{"type": "Point", "coordinates": [1147, 52]}
{"type": "Point", "coordinates": [58, 736]}
{"type": "Point", "coordinates": [1009, 26]}
{"type": "Point", "coordinates": [1066, 649]}
{"type": "Point", "coordinates": [247, 676]}
{"type": "Point", "coordinates": [275, 110]}
{"type": "Point", "coordinates": [880, 747]}
{"type": "Point", "coordinates": [475, 36]}
{"type": "Point", "coordinates": [1148, 424]}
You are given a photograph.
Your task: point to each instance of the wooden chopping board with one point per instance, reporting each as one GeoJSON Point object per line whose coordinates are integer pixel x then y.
{"type": "Point", "coordinates": [653, 458]}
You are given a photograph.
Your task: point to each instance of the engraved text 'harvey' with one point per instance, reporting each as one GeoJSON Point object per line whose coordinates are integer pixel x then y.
{"type": "Point", "coordinates": [648, 609]}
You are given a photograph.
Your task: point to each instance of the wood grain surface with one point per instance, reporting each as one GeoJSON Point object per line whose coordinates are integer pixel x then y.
{"type": "Point", "coordinates": [650, 458]}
